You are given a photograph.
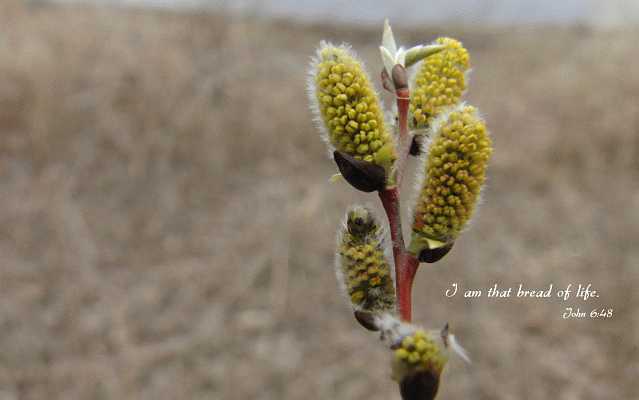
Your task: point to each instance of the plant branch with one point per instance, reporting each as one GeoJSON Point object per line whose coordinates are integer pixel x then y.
{"type": "Point", "coordinates": [390, 201]}
{"type": "Point", "coordinates": [405, 263]}
{"type": "Point", "coordinates": [405, 138]}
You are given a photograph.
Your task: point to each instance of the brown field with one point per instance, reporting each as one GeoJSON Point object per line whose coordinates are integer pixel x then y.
{"type": "Point", "coordinates": [167, 225]}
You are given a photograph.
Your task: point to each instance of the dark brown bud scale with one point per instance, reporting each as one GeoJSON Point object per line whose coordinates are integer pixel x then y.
{"type": "Point", "coordinates": [362, 175]}
{"type": "Point", "coordinates": [420, 386]}
{"type": "Point", "coordinates": [416, 145]}
{"type": "Point", "coordinates": [400, 77]}
{"type": "Point", "coordinates": [434, 255]}
{"type": "Point", "coordinates": [387, 83]}
{"type": "Point", "coordinates": [366, 319]}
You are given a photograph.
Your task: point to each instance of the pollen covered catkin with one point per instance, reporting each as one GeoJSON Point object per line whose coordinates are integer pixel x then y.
{"type": "Point", "coordinates": [454, 171]}
{"type": "Point", "coordinates": [419, 352]}
{"type": "Point", "coordinates": [439, 82]}
{"type": "Point", "coordinates": [348, 108]}
{"type": "Point", "coordinates": [362, 267]}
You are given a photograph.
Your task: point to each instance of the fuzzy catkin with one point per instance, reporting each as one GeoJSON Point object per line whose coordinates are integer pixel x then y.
{"type": "Point", "coordinates": [454, 172]}
{"type": "Point", "coordinates": [418, 352]}
{"type": "Point", "coordinates": [362, 264]}
{"type": "Point", "coordinates": [349, 107]}
{"type": "Point", "coordinates": [439, 82]}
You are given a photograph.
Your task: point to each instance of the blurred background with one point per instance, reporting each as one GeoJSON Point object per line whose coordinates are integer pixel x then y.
{"type": "Point", "coordinates": [167, 225]}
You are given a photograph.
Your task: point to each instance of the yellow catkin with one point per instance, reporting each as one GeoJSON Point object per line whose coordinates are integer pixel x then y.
{"type": "Point", "coordinates": [455, 170]}
{"type": "Point", "coordinates": [349, 107]}
{"type": "Point", "coordinates": [362, 264]}
{"type": "Point", "coordinates": [418, 352]}
{"type": "Point", "coordinates": [439, 83]}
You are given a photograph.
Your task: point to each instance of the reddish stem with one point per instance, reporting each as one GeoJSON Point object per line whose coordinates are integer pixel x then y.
{"type": "Point", "coordinates": [405, 263]}
{"type": "Point", "coordinates": [390, 201]}
{"type": "Point", "coordinates": [405, 138]}
{"type": "Point", "coordinates": [404, 287]}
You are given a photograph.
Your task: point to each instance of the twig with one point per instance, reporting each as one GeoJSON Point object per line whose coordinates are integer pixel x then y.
{"type": "Point", "coordinates": [405, 263]}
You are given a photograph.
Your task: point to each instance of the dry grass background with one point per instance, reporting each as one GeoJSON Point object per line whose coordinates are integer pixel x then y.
{"type": "Point", "coordinates": [167, 227]}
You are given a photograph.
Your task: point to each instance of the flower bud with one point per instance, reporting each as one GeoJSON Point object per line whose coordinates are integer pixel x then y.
{"type": "Point", "coordinates": [362, 267]}
{"type": "Point", "coordinates": [418, 361]}
{"type": "Point", "coordinates": [399, 76]}
{"type": "Point", "coordinates": [439, 83]}
{"type": "Point", "coordinates": [418, 53]}
{"type": "Point", "coordinates": [454, 172]}
{"type": "Point", "coordinates": [347, 108]}
{"type": "Point", "coordinates": [419, 357]}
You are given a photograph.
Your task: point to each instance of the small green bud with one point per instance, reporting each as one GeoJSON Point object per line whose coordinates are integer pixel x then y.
{"type": "Point", "coordinates": [454, 172]}
{"type": "Point", "coordinates": [343, 98]}
{"type": "Point", "coordinates": [439, 83]}
{"type": "Point", "coordinates": [418, 53]}
{"type": "Point", "coordinates": [362, 267]}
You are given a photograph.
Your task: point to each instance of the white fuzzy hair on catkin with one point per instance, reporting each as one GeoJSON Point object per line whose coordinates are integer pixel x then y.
{"type": "Point", "coordinates": [420, 172]}
{"type": "Point", "coordinates": [458, 349]}
{"type": "Point", "coordinates": [420, 175]}
{"type": "Point", "coordinates": [311, 91]}
{"type": "Point", "coordinates": [379, 237]}
{"type": "Point", "coordinates": [394, 331]}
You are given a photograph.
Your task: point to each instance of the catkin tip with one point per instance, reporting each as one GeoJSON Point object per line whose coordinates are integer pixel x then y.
{"type": "Point", "coordinates": [418, 352]}
{"type": "Point", "coordinates": [439, 83]}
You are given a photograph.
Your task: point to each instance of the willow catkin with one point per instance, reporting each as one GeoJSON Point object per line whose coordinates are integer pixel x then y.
{"type": "Point", "coordinates": [439, 82]}
{"type": "Point", "coordinates": [454, 170]}
{"type": "Point", "coordinates": [347, 108]}
{"type": "Point", "coordinates": [362, 266]}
